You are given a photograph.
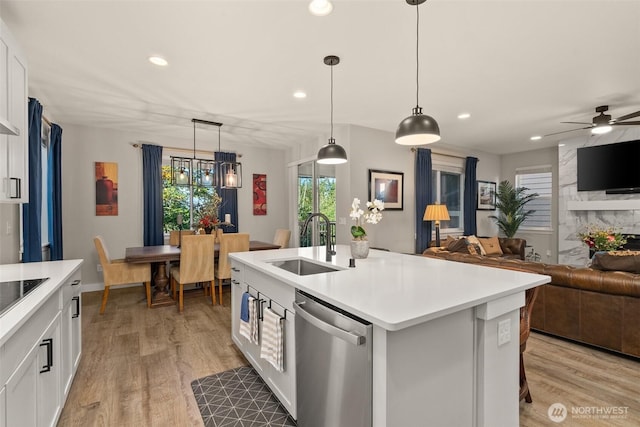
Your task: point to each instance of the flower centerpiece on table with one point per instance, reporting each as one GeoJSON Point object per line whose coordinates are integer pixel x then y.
{"type": "Point", "coordinates": [360, 244]}
{"type": "Point", "coordinates": [208, 213]}
{"type": "Point", "coordinates": [600, 238]}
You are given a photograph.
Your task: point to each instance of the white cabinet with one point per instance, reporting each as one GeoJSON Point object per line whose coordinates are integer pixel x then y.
{"type": "Point", "coordinates": [13, 120]}
{"type": "Point", "coordinates": [40, 354]}
{"type": "Point", "coordinates": [281, 297]}
{"type": "Point", "coordinates": [38, 375]}
{"type": "Point", "coordinates": [71, 331]}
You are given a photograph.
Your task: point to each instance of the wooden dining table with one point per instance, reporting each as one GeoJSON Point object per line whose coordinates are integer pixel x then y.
{"type": "Point", "coordinates": [159, 255]}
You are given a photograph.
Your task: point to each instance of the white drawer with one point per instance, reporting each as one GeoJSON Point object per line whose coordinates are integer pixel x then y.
{"type": "Point", "coordinates": [71, 288]}
{"type": "Point", "coordinates": [25, 338]}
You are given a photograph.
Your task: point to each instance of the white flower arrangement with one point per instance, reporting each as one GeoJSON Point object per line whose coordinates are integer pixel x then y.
{"type": "Point", "coordinates": [372, 216]}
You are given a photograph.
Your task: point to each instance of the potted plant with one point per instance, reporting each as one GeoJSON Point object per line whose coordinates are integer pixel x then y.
{"type": "Point", "coordinates": [511, 203]}
{"type": "Point", "coordinates": [359, 243]}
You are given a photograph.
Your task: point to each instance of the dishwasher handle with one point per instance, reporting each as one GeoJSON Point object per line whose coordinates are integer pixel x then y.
{"type": "Point", "coordinates": [347, 336]}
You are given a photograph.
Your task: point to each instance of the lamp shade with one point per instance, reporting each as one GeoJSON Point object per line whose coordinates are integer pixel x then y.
{"type": "Point", "coordinates": [418, 129]}
{"type": "Point", "coordinates": [436, 212]}
{"type": "Point", "coordinates": [332, 154]}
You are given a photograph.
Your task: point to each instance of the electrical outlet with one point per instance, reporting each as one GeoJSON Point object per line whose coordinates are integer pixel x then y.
{"type": "Point", "coordinates": [504, 332]}
{"type": "Point", "coordinates": [99, 268]}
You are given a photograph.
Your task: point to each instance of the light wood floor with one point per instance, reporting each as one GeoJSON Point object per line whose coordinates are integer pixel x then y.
{"type": "Point", "coordinates": [138, 364]}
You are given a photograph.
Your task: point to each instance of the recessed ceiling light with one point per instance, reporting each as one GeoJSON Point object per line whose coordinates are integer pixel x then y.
{"type": "Point", "coordinates": [299, 94]}
{"type": "Point", "coordinates": [463, 116]}
{"type": "Point", "coordinates": [320, 7]}
{"type": "Point", "coordinates": [536, 138]}
{"type": "Point", "coordinates": [158, 60]}
{"type": "Point", "coordinates": [560, 145]}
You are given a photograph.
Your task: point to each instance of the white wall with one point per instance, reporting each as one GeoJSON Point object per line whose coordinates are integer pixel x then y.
{"type": "Point", "coordinates": [82, 146]}
{"type": "Point", "coordinates": [374, 149]}
{"type": "Point", "coordinates": [544, 243]}
{"type": "Point", "coordinates": [9, 233]}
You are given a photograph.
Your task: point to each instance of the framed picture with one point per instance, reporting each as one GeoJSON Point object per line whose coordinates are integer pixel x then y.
{"type": "Point", "coordinates": [486, 196]}
{"type": "Point", "coordinates": [388, 187]}
{"type": "Point", "coordinates": [106, 176]}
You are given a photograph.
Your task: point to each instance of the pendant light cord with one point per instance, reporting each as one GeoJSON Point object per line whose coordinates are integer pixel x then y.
{"type": "Point", "coordinates": [194, 140]}
{"type": "Point", "coordinates": [417, 54]}
{"type": "Point", "coordinates": [331, 101]}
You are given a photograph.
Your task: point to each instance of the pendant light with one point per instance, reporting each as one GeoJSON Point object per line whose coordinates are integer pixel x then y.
{"type": "Point", "coordinates": [206, 170]}
{"type": "Point", "coordinates": [230, 171]}
{"type": "Point", "coordinates": [332, 153]}
{"type": "Point", "coordinates": [418, 128]}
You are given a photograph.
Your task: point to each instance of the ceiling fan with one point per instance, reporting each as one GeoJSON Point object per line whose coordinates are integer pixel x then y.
{"type": "Point", "coordinates": [602, 123]}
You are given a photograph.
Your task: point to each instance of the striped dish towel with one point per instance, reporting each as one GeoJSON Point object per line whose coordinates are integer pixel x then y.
{"type": "Point", "coordinates": [249, 329]}
{"type": "Point", "coordinates": [272, 339]}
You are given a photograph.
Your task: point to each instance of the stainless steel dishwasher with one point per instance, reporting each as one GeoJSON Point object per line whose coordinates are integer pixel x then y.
{"type": "Point", "coordinates": [333, 365]}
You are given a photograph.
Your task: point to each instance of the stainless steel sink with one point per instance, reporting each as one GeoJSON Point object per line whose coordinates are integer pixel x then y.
{"type": "Point", "coordinates": [302, 267]}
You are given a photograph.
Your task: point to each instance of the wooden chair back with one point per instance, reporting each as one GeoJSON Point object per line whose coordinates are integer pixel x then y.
{"type": "Point", "coordinates": [103, 253]}
{"type": "Point", "coordinates": [197, 262]}
{"type": "Point", "coordinates": [229, 243]}
{"type": "Point", "coordinates": [174, 236]}
{"type": "Point", "coordinates": [282, 237]}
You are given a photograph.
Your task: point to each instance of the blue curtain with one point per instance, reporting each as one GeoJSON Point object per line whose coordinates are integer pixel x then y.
{"type": "Point", "coordinates": [31, 211]}
{"type": "Point", "coordinates": [152, 194]}
{"type": "Point", "coordinates": [229, 196]}
{"type": "Point", "coordinates": [54, 184]}
{"type": "Point", "coordinates": [424, 197]}
{"type": "Point", "coordinates": [470, 190]}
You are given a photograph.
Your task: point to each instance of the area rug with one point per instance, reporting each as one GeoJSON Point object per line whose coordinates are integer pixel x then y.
{"type": "Point", "coordinates": [238, 397]}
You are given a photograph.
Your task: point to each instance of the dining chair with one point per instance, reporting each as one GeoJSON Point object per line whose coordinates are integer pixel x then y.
{"type": "Point", "coordinates": [282, 237]}
{"type": "Point", "coordinates": [229, 243]}
{"type": "Point", "coordinates": [525, 331]}
{"type": "Point", "coordinates": [197, 265]}
{"type": "Point", "coordinates": [119, 272]}
{"type": "Point", "coordinates": [174, 236]}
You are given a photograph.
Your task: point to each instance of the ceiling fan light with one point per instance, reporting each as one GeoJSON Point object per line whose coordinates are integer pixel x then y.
{"type": "Point", "coordinates": [418, 129]}
{"type": "Point", "coordinates": [599, 130]}
{"type": "Point", "coordinates": [332, 154]}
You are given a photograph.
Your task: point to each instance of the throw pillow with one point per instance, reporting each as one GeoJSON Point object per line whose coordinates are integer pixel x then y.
{"type": "Point", "coordinates": [473, 248]}
{"type": "Point", "coordinates": [491, 246]}
{"type": "Point", "coordinates": [617, 261]}
{"type": "Point", "coordinates": [477, 245]}
{"type": "Point", "coordinates": [458, 245]}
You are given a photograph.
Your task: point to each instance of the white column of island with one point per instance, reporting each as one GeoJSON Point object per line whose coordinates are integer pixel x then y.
{"type": "Point", "coordinates": [436, 355]}
{"type": "Point", "coordinates": [40, 343]}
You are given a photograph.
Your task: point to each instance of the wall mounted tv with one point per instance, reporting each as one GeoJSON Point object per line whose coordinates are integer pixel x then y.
{"type": "Point", "coordinates": [614, 168]}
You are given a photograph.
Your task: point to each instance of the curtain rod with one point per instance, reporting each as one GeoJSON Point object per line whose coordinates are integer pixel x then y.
{"type": "Point", "coordinates": [184, 150]}
{"type": "Point", "coordinates": [47, 121]}
{"type": "Point", "coordinates": [414, 150]}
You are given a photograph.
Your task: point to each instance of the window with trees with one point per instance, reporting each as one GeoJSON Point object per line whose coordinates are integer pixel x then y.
{"type": "Point", "coordinates": [447, 186]}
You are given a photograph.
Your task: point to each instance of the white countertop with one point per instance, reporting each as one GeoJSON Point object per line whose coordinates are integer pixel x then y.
{"type": "Point", "coordinates": [57, 272]}
{"type": "Point", "coordinates": [393, 290]}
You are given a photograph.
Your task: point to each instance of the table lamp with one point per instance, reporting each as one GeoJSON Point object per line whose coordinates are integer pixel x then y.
{"type": "Point", "coordinates": [436, 213]}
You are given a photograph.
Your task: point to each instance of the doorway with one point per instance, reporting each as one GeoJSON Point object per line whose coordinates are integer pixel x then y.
{"type": "Point", "coordinates": [316, 193]}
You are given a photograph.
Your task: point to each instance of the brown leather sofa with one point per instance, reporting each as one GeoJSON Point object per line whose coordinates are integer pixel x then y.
{"type": "Point", "coordinates": [512, 248]}
{"type": "Point", "coordinates": [601, 308]}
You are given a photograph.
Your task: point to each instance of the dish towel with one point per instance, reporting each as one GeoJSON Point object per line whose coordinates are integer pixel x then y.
{"type": "Point", "coordinates": [272, 339]}
{"type": "Point", "coordinates": [246, 327]}
{"type": "Point", "coordinates": [244, 307]}
{"type": "Point", "coordinates": [254, 316]}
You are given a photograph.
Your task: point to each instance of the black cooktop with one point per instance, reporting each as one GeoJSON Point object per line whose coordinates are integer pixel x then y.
{"type": "Point", "coordinates": [11, 292]}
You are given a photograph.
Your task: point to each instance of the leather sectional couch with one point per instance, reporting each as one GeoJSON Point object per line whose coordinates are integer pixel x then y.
{"type": "Point", "coordinates": [600, 308]}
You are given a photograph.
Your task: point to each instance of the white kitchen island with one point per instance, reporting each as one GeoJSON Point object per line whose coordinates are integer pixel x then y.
{"type": "Point", "coordinates": [436, 358]}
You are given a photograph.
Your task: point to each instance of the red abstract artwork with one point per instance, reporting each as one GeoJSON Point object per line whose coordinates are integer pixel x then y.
{"type": "Point", "coordinates": [259, 194]}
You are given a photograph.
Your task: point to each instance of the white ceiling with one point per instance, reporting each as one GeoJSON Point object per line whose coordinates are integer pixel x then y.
{"type": "Point", "coordinates": [519, 67]}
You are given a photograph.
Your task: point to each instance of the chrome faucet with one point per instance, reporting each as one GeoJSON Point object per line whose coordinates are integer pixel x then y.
{"type": "Point", "coordinates": [330, 251]}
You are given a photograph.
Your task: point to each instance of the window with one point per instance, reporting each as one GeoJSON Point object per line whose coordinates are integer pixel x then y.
{"type": "Point", "coordinates": [447, 182]}
{"type": "Point", "coordinates": [536, 180]}
{"type": "Point", "coordinates": [188, 201]}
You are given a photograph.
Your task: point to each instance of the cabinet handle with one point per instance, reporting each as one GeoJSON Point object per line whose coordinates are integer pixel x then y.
{"type": "Point", "coordinates": [235, 269]}
{"type": "Point", "coordinates": [18, 188]}
{"type": "Point", "coordinates": [235, 282]}
{"type": "Point", "coordinates": [49, 344]}
{"type": "Point", "coordinates": [75, 282]}
{"type": "Point", "coordinates": [77, 314]}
